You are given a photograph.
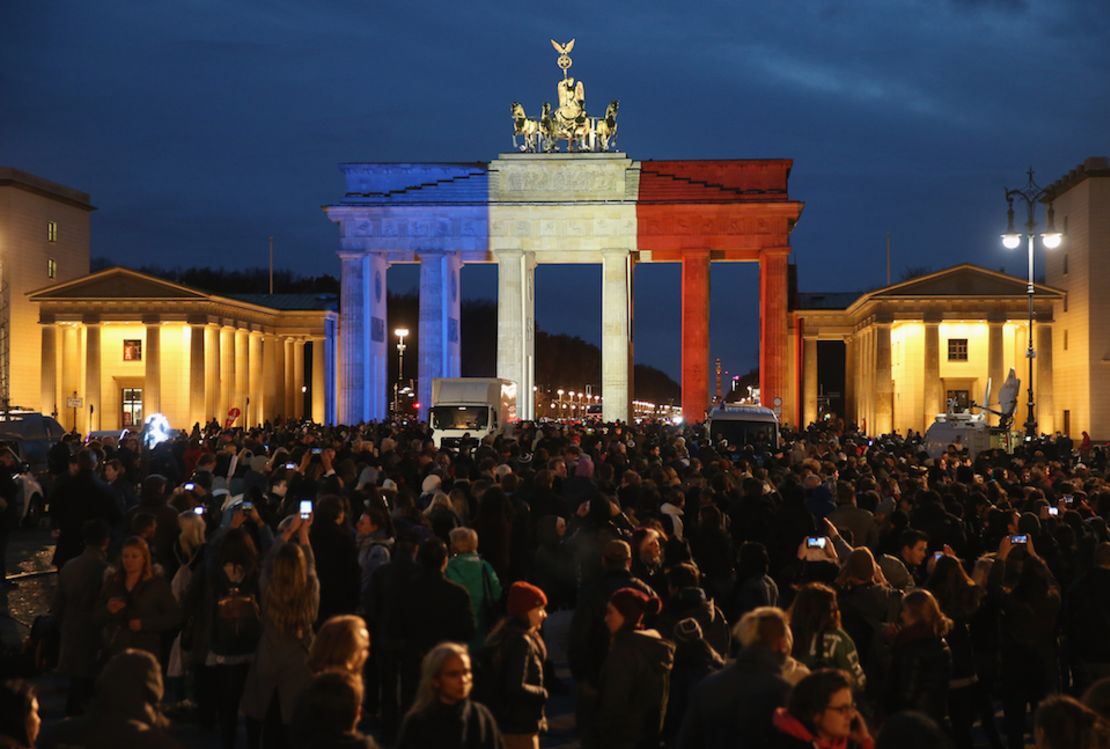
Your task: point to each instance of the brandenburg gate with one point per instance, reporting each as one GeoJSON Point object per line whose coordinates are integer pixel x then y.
{"type": "Point", "coordinates": [588, 203]}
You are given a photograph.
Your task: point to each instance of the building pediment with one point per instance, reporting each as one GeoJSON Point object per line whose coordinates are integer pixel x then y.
{"type": "Point", "coordinates": [964, 280]}
{"type": "Point", "coordinates": [116, 284]}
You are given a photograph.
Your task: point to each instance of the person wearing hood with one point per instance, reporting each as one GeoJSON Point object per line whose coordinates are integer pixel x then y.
{"type": "Point", "coordinates": [687, 599]}
{"type": "Point", "coordinates": [821, 714]}
{"type": "Point", "coordinates": [694, 660]}
{"type": "Point", "coordinates": [123, 713]}
{"type": "Point", "coordinates": [635, 678]}
{"type": "Point", "coordinates": [733, 707]}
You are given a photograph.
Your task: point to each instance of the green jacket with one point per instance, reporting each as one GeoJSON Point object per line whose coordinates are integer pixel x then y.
{"type": "Point", "coordinates": [466, 570]}
{"type": "Point", "coordinates": [836, 651]}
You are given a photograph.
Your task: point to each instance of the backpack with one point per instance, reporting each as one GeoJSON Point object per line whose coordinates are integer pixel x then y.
{"type": "Point", "coordinates": [236, 623]}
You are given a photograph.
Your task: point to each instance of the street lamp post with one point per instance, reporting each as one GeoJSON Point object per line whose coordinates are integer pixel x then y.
{"type": "Point", "coordinates": [401, 334]}
{"type": "Point", "coordinates": [1032, 194]}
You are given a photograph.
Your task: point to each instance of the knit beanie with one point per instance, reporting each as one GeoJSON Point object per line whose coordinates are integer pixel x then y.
{"type": "Point", "coordinates": [634, 605]}
{"type": "Point", "coordinates": [523, 597]}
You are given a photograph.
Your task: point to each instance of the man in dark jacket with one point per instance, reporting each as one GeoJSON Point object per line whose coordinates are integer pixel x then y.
{"type": "Point", "coordinates": [336, 554]}
{"type": "Point", "coordinates": [78, 499]}
{"type": "Point", "coordinates": [432, 609]}
{"type": "Point", "coordinates": [733, 707]}
{"type": "Point", "coordinates": [686, 599]}
{"type": "Point", "coordinates": [1087, 620]}
{"type": "Point", "coordinates": [78, 590]}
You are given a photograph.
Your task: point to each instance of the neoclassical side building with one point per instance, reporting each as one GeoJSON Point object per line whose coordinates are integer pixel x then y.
{"type": "Point", "coordinates": [118, 345]}
{"type": "Point", "coordinates": [912, 346]}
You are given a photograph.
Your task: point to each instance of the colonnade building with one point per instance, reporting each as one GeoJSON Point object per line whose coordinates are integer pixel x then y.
{"type": "Point", "coordinates": [118, 345]}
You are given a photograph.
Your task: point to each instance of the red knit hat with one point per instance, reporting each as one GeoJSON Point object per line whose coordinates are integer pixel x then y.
{"type": "Point", "coordinates": [523, 597]}
{"type": "Point", "coordinates": [634, 605]}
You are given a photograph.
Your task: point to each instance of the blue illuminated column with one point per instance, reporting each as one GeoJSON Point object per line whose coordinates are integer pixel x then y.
{"type": "Point", "coordinates": [362, 367]}
{"type": "Point", "coordinates": [439, 336]}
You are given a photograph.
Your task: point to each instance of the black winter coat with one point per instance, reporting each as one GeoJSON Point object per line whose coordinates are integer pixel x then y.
{"type": "Point", "coordinates": [465, 725]}
{"type": "Point", "coordinates": [589, 639]}
{"type": "Point", "coordinates": [632, 692]}
{"type": "Point", "coordinates": [732, 708]}
{"type": "Point", "coordinates": [519, 696]}
{"type": "Point", "coordinates": [337, 569]}
{"type": "Point", "coordinates": [433, 609]}
{"type": "Point", "coordinates": [76, 500]}
{"type": "Point", "coordinates": [692, 603]}
{"type": "Point", "coordinates": [920, 668]}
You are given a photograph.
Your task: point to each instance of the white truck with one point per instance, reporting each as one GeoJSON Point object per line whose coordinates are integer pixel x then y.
{"type": "Point", "coordinates": [473, 407]}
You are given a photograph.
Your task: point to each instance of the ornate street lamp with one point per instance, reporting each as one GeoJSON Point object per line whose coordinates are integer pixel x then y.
{"type": "Point", "coordinates": [1032, 194]}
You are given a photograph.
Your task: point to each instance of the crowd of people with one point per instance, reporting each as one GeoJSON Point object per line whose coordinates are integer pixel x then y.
{"type": "Point", "coordinates": [309, 586]}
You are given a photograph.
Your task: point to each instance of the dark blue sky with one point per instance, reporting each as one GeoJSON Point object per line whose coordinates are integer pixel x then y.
{"type": "Point", "coordinates": [202, 127]}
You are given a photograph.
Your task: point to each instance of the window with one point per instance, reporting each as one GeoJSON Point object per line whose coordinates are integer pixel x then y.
{"type": "Point", "coordinates": [131, 405]}
{"type": "Point", "coordinates": [51, 268]}
{"type": "Point", "coordinates": [132, 349]}
{"type": "Point", "coordinates": [51, 231]}
{"type": "Point", "coordinates": [957, 349]}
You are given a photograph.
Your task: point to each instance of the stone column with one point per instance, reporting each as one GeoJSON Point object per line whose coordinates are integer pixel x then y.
{"type": "Point", "coordinates": [319, 393]}
{"type": "Point", "coordinates": [809, 381]}
{"type": "Point", "coordinates": [439, 323]}
{"type": "Point", "coordinates": [363, 362]}
{"type": "Point", "coordinates": [773, 347]}
{"type": "Point", "coordinates": [227, 373]}
{"type": "Point", "coordinates": [213, 371]}
{"type": "Point", "coordinates": [49, 381]}
{"type": "Point", "coordinates": [298, 378]}
{"type": "Point", "coordinates": [884, 384]}
{"type": "Point", "coordinates": [1042, 386]}
{"type": "Point", "coordinates": [850, 379]}
{"type": "Point", "coordinates": [616, 335]}
{"type": "Point", "coordinates": [995, 365]}
{"type": "Point", "coordinates": [92, 376]}
{"type": "Point", "coordinates": [933, 402]}
{"type": "Point", "coordinates": [255, 397]}
{"type": "Point", "coordinates": [516, 323]}
{"type": "Point", "coordinates": [197, 369]}
{"type": "Point", "coordinates": [240, 342]}
{"type": "Point", "coordinates": [329, 371]}
{"type": "Point", "coordinates": [273, 373]}
{"type": "Point", "coordinates": [695, 335]}
{"type": "Point", "coordinates": [289, 407]}
{"type": "Point", "coordinates": [152, 366]}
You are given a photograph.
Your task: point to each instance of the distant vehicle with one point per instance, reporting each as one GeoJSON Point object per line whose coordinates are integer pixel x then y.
{"type": "Point", "coordinates": [472, 407]}
{"type": "Point", "coordinates": [965, 429]}
{"type": "Point", "coordinates": [35, 434]}
{"type": "Point", "coordinates": [741, 425]}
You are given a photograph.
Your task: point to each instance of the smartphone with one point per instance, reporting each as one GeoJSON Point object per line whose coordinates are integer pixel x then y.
{"type": "Point", "coordinates": [815, 542]}
{"type": "Point", "coordinates": [1053, 511]}
{"type": "Point", "coordinates": [938, 556]}
{"type": "Point", "coordinates": [247, 506]}
{"type": "Point", "coordinates": [306, 508]}
{"type": "Point", "coordinates": [290, 466]}
{"type": "Point", "coordinates": [1069, 499]}
{"type": "Point", "coordinates": [1019, 539]}
{"type": "Point", "coordinates": [198, 510]}
{"type": "Point", "coordinates": [317, 450]}
{"type": "Point", "coordinates": [189, 486]}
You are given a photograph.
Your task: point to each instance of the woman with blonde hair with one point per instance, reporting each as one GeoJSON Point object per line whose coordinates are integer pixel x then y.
{"type": "Point", "coordinates": [921, 662]}
{"type": "Point", "coordinates": [442, 714]}
{"type": "Point", "coordinates": [136, 607]}
{"type": "Point", "coordinates": [343, 642]}
{"type": "Point", "coordinates": [279, 673]}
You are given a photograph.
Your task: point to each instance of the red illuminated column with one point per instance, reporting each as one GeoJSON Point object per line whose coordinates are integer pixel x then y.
{"type": "Point", "coordinates": [773, 345]}
{"type": "Point", "coordinates": [695, 335]}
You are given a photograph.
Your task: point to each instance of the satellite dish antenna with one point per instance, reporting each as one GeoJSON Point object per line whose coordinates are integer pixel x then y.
{"type": "Point", "coordinates": [1007, 394]}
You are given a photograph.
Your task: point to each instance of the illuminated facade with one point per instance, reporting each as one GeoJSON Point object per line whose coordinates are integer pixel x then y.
{"type": "Point", "coordinates": [44, 239]}
{"type": "Point", "coordinates": [1080, 268]}
{"type": "Point", "coordinates": [118, 345]}
{"type": "Point", "coordinates": [912, 346]}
